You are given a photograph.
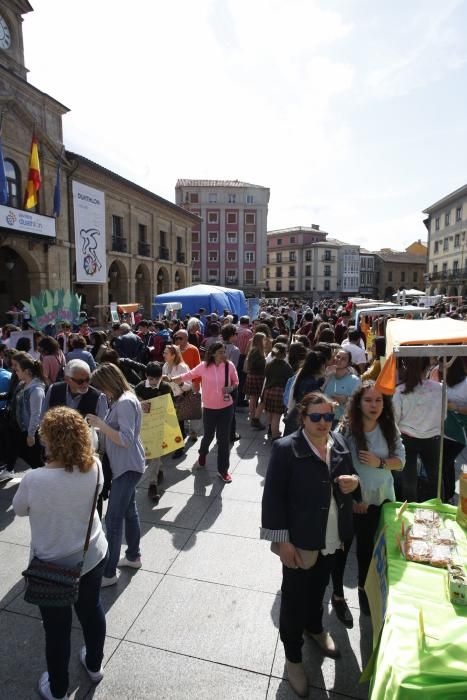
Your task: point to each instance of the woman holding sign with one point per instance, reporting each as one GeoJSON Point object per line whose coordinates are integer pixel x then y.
{"type": "Point", "coordinates": [123, 446]}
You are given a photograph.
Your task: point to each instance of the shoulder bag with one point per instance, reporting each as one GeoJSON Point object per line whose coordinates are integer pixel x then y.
{"type": "Point", "coordinates": [188, 405]}
{"type": "Point", "coordinates": [51, 585]}
{"type": "Point", "coordinates": [234, 393]}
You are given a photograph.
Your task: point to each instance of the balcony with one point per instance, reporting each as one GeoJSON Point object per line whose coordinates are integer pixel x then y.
{"type": "Point", "coordinates": [163, 253]}
{"type": "Point", "coordinates": [144, 249]}
{"type": "Point", "coordinates": [328, 258]}
{"type": "Point", "coordinates": [232, 280]}
{"type": "Point", "coordinates": [180, 257]}
{"type": "Point", "coordinates": [119, 244]}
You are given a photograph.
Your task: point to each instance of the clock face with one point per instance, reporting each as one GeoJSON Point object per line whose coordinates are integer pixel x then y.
{"type": "Point", "coordinates": [5, 38]}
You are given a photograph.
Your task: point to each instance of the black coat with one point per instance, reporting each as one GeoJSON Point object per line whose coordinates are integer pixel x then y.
{"type": "Point", "coordinates": [297, 493]}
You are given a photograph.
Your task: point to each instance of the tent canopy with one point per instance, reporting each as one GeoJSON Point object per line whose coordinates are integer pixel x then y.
{"type": "Point", "coordinates": [410, 293]}
{"type": "Point", "coordinates": [433, 331]}
{"type": "Point", "coordinates": [209, 297]}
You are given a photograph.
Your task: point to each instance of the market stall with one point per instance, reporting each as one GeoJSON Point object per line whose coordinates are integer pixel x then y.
{"type": "Point", "coordinates": [209, 297]}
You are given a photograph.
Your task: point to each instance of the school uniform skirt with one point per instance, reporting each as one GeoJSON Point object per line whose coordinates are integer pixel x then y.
{"type": "Point", "coordinates": [254, 384]}
{"type": "Point", "coordinates": [274, 399]}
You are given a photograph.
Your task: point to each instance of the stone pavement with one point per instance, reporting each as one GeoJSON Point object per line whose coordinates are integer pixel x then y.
{"type": "Point", "coordinates": [200, 619]}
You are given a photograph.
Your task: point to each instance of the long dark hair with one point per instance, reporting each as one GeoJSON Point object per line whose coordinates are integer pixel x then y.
{"type": "Point", "coordinates": [353, 419]}
{"type": "Point", "coordinates": [26, 362]}
{"type": "Point", "coordinates": [414, 366]}
{"type": "Point", "coordinates": [314, 362]}
{"type": "Point", "coordinates": [455, 373]}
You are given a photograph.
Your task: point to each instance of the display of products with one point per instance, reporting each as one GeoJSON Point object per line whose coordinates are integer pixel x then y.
{"type": "Point", "coordinates": [429, 541]}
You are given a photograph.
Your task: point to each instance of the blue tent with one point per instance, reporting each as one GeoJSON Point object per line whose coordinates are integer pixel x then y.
{"type": "Point", "coordinates": [212, 298]}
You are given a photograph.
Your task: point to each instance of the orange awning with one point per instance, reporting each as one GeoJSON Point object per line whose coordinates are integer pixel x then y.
{"type": "Point", "coordinates": [127, 308]}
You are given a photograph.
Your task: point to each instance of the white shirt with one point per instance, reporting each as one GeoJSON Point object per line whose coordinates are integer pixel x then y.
{"type": "Point", "coordinates": [418, 414]}
{"type": "Point", "coordinates": [358, 354]}
{"type": "Point", "coordinates": [332, 531]}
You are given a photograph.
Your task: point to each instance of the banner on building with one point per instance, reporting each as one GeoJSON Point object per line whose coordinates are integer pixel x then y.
{"type": "Point", "coordinates": [89, 218]}
{"type": "Point", "coordinates": [49, 308]}
{"type": "Point", "coordinates": [160, 430]}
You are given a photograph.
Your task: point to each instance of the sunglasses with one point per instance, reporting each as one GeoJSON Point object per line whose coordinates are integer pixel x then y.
{"type": "Point", "coordinates": [316, 417]}
{"type": "Point", "coordinates": [80, 382]}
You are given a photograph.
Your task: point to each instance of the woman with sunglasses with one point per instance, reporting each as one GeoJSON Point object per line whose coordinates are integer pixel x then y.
{"type": "Point", "coordinates": [377, 451]}
{"type": "Point", "coordinates": [307, 514]}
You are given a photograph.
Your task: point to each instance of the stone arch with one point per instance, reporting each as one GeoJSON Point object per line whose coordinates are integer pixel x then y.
{"type": "Point", "coordinates": [452, 291]}
{"type": "Point", "coordinates": [118, 283]}
{"type": "Point", "coordinates": [163, 281]}
{"type": "Point", "coordinates": [442, 290]}
{"type": "Point", "coordinates": [143, 288]}
{"type": "Point", "coordinates": [16, 270]}
{"type": "Point", "coordinates": [179, 279]}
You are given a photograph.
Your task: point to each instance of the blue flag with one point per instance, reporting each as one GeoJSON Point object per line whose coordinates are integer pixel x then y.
{"type": "Point", "coordinates": [57, 196]}
{"type": "Point", "coordinates": [3, 180]}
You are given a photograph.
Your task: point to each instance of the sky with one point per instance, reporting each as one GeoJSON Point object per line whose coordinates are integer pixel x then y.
{"type": "Point", "coordinates": [352, 112]}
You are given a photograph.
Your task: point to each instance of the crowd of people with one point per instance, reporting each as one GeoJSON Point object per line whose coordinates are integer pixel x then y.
{"type": "Point", "coordinates": [72, 407]}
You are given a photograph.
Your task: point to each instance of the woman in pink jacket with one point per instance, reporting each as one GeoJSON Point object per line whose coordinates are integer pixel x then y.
{"type": "Point", "coordinates": [219, 380]}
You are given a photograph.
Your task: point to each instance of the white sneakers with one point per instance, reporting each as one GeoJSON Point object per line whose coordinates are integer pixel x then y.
{"type": "Point", "coordinates": [297, 678]}
{"type": "Point", "coordinates": [109, 581]}
{"type": "Point", "coordinates": [131, 564]}
{"type": "Point", "coordinates": [44, 688]}
{"type": "Point", "coordinates": [95, 676]}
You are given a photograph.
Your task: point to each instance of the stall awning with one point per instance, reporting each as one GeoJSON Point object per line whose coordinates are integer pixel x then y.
{"type": "Point", "coordinates": [127, 308]}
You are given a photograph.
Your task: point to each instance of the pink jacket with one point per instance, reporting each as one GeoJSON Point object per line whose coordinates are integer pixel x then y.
{"type": "Point", "coordinates": [213, 383]}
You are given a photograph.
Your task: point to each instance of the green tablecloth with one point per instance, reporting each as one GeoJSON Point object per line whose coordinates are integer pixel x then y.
{"type": "Point", "coordinates": [406, 666]}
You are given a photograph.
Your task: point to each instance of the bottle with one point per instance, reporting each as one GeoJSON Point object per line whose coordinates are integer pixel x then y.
{"type": "Point", "coordinates": [462, 505]}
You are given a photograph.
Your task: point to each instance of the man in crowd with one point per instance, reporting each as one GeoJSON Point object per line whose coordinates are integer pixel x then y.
{"type": "Point", "coordinates": [75, 392]}
{"type": "Point", "coordinates": [128, 344]}
{"type": "Point", "coordinates": [244, 335]}
{"type": "Point", "coordinates": [353, 346]}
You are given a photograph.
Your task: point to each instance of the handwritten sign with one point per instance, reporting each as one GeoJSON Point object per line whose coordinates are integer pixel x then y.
{"type": "Point", "coordinates": [160, 431]}
{"type": "Point", "coordinates": [376, 585]}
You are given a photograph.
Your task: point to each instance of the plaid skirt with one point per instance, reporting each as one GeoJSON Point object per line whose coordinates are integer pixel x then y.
{"type": "Point", "coordinates": [274, 399]}
{"type": "Point", "coordinates": [254, 384]}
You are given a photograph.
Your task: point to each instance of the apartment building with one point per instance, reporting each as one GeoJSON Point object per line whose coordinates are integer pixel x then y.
{"type": "Point", "coordinates": [398, 270]}
{"type": "Point", "coordinates": [446, 223]}
{"type": "Point", "coordinates": [369, 277]}
{"type": "Point", "coordinates": [229, 244]}
{"type": "Point", "coordinates": [302, 260]}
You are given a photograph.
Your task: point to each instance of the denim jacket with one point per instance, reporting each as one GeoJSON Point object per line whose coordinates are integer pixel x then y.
{"type": "Point", "coordinates": [31, 398]}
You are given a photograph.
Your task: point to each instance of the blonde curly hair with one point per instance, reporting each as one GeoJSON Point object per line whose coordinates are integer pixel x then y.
{"type": "Point", "coordinates": [67, 438]}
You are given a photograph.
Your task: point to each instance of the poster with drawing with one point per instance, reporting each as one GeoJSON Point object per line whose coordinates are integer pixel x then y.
{"type": "Point", "coordinates": [89, 219]}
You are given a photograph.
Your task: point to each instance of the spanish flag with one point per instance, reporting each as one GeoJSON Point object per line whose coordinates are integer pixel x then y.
{"type": "Point", "coordinates": [34, 177]}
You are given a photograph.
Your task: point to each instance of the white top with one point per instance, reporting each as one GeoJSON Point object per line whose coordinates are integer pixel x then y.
{"type": "Point", "coordinates": [333, 541]}
{"type": "Point", "coordinates": [357, 352]}
{"type": "Point", "coordinates": [59, 506]}
{"type": "Point", "coordinates": [458, 393]}
{"type": "Point", "coordinates": [177, 389]}
{"type": "Point", "coordinates": [418, 414]}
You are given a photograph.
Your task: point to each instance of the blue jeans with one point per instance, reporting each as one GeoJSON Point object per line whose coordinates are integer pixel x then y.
{"type": "Point", "coordinates": [57, 628]}
{"type": "Point", "coordinates": [122, 509]}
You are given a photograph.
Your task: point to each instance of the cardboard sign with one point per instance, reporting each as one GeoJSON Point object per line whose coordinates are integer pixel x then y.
{"type": "Point", "coordinates": [50, 308]}
{"type": "Point", "coordinates": [376, 585]}
{"type": "Point", "coordinates": [160, 431]}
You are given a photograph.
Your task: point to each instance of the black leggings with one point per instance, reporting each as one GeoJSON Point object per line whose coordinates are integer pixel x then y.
{"type": "Point", "coordinates": [16, 446]}
{"type": "Point", "coordinates": [406, 481]}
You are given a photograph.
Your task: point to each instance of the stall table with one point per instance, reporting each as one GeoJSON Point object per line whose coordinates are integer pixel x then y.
{"type": "Point", "coordinates": [419, 656]}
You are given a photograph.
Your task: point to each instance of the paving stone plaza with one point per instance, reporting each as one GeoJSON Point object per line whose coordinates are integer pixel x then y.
{"type": "Point", "coordinates": [200, 619]}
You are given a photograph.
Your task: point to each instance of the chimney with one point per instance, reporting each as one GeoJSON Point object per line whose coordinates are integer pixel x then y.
{"type": "Point", "coordinates": [315, 227]}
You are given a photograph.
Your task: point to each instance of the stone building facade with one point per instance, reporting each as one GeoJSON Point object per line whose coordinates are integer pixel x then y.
{"type": "Point", "coordinates": [36, 248]}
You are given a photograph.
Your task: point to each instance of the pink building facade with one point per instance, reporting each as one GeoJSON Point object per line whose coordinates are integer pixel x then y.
{"type": "Point", "coordinates": [229, 245]}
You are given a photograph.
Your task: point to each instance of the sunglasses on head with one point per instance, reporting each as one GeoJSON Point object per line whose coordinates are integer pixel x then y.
{"type": "Point", "coordinates": [316, 417]}
{"type": "Point", "coordinates": [79, 382]}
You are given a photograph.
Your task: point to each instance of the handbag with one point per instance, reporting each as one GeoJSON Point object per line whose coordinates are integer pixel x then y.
{"type": "Point", "coordinates": [52, 585]}
{"type": "Point", "coordinates": [234, 393]}
{"type": "Point", "coordinates": [188, 406]}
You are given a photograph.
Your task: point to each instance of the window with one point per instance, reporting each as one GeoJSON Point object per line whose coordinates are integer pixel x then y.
{"type": "Point", "coordinates": [231, 217]}
{"type": "Point", "coordinates": [250, 199]}
{"type": "Point", "coordinates": [415, 276]}
{"type": "Point", "coordinates": [291, 285]}
{"type": "Point", "coordinates": [195, 236]}
{"type": "Point", "coordinates": [307, 255]}
{"type": "Point", "coordinates": [459, 214]}
{"type": "Point", "coordinates": [455, 266]}
{"type": "Point", "coordinates": [278, 257]}
{"type": "Point", "coordinates": [292, 271]}
{"type": "Point", "coordinates": [327, 271]}
{"type": "Point", "coordinates": [327, 285]}
{"type": "Point", "coordinates": [249, 238]}
{"type": "Point", "coordinates": [278, 286]}
{"type": "Point", "coordinates": [194, 198]}
{"type": "Point", "coordinates": [435, 269]}
{"type": "Point", "coordinates": [179, 244]}
{"type": "Point", "coordinates": [250, 219]}
{"type": "Point", "coordinates": [142, 231]}
{"type": "Point", "coordinates": [232, 275]}
{"type": "Point", "coordinates": [292, 239]}
{"type": "Point", "coordinates": [292, 256]}
{"type": "Point", "coordinates": [249, 277]}
{"type": "Point", "coordinates": [117, 226]}
{"type": "Point", "coordinates": [445, 267]}
{"type": "Point", "coordinates": [195, 275]}
{"type": "Point", "coordinates": [389, 275]}
{"type": "Point", "coordinates": [447, 218]}
{"type": "Point", "coordinates": [13, 180]}
{"type": "Point", "coordinates": [267, 258]}
{"type": "Point", "coordinates": [279, 241]}
{"type": "Point", "coordinates": [231, 236]}
{"type": "Point", "coordinates": [231, 256]}
{"type": "Point", "coordinates": [213, 274]}
{"type": "Point", "coordinates": [213, 236]}
{"type": "Point", "coordinates": [232, 198]}
{"type": "Point", "coordinates": [195, 255]}
{"type": "Point", "coordinates": [457, 240]}
{"type": "Point", "coordinates": [436, 250]}
{"type": "Point", "coordinates": [163, 237]}
{"type": "Point", "coordinates": [307, 270]}
{"type": "Point", "coordinates": [213, 256]}
{"type": "Point", "coordinates": [327, 255]}
{"type": "Point", "coordinates": [278, 271]}
{"type": "Point", "coordinates": [437, 223]}
{"type": "Point", "coordinates": [402, 276]}
{"type": "Point", "coordinates": [213, 217]}
{"type": "Point", "coordinates": [267, 272]}
{"type": "Point", "coordinates": [446, 244]}
{"type": "Point", "coordinates": [307, 285]}
{"type": "Point", "coordinates": [250, 256]}
{"type": "Point", "coordinates": [212, 198]}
